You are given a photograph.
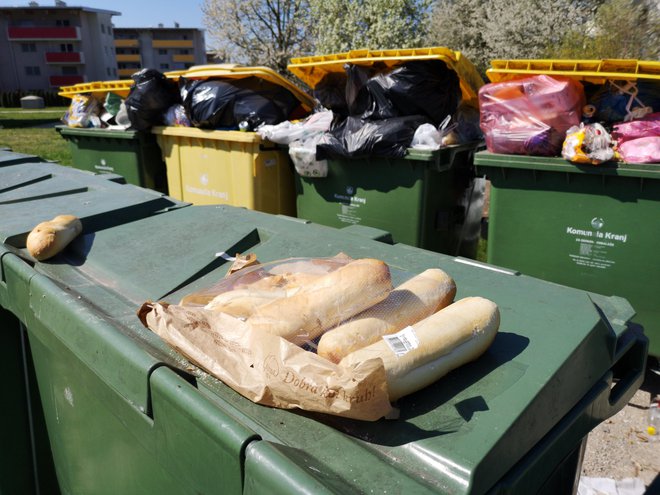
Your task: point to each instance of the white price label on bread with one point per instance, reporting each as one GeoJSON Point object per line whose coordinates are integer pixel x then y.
{"type": "Point", "coordinates": [402, 342]}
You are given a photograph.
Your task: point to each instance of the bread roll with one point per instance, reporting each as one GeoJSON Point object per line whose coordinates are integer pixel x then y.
{"type": "Point", "coordinates": [323, 303]}
{"type": "Point", "coordinates": [415, 299]}
{"type": "Point", "coordinates": [49, 238]}
{"type": "Point", "coordinates": [241, 303]}
{"type": "Point", "coordinates": [453, 336]}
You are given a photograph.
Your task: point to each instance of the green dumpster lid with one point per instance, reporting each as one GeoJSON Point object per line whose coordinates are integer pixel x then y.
{"type": "Point", "coordinates": [8, 157]}
{"type": "Point", "coordinates": [558, 164]}
{"type": "Point", "coordinates": [31, 193]}
{"type": "Point", "coordinates": [87, 132]}
{"type": "Point", "coordinates": [460, 435]}
{"type": "Point", "coordinates": [312, 70]}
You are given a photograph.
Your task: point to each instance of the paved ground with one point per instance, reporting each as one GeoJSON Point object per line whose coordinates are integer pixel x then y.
{"type": "Point", "coordinates": [620, 448]}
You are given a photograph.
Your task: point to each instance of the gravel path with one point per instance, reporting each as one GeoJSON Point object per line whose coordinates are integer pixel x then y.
{"type": "Point", "coordinates": [619, 447]}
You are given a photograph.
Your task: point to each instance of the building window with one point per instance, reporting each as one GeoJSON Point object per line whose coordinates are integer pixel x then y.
{"type": "Point", "coordinates": [33, 70]}
{"type": "Point", "coordinates": [62, 22]}
{"type": "Point", "coordinates": [164, 66]}
{"type": "Point", "coordinates": [184, 52]}
{"type": "Point", "coordinates": [66, 47]}
{"type": "Point", "coordinates": [28, 47]}
{"type": "Point", "coordinates": [135, 51]}
{"type": "Point", "coordinates": [185, 36]}
{"type": "Point", "coordinates": [114, 72]}
{"type": "Point", "coordinates": [70, 71]}
{"type": "Point", "coordinates": [109, 29]}
{"type": "Point", "coordinates": [103, 28]}
{"type": "Point", "coordinates": [162, 51]}
{"type": "Point", "coordinates": [188, 66]}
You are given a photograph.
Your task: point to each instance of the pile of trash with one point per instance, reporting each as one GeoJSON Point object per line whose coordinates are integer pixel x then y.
{"type": "Point", "coordinates": [365, 113]}
{"type": "Point", "coordinates": [155, 100]}
{"type": "Point", "coordinates": [583, 122]}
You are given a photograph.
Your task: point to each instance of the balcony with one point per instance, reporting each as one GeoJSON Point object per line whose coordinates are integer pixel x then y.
{"type": "Point", "coordinates": [183, 58]}
{"type": "Point", "coordinates": [127, 43]}
{"type": "Point", "coordinates": [57, 81]}
{"type": "Point", "coordinates": [172, 44]}
{"type": "Point", "coordinates": [65, 58]}
{"type": "Point", "coordinates": [43, 33]}
{"type": "Point", "coordinates": [126, 72]}
{"type": "Point", "coordinates": [122, 57]}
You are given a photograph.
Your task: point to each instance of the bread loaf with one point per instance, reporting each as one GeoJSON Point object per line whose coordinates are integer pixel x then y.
{"type": "Point", "coordinates": [49, 238]}
{"type": "Point", "coordinates": [324, 302]}
{"type": "Point", "coordinates": [242, 303]}
{"type": "Point", "coordinates": [414, 300]}
{"type": "Point", "coordinates": [453, 336]}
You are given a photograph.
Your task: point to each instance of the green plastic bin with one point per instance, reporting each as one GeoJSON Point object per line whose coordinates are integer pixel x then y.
{"type": "Point", "coordinates": [29, 194]}
{"type": "Point", "coordinates": [427, 199]}
{"type": "Point", "coordinates": [592, 227]}
{"type": "Point", "coordinates": [117, 399]}
{"type": "Point", "coordinates": [134, 155]}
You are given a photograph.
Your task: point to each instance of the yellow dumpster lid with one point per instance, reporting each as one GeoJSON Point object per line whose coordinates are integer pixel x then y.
{"type": "Point", "coordinates": [120, 87]}
{"type": "Point", "coordinates": [594, 71]}
{"type": "Point", "coordinates": [311, 70]}
{"type": "Point", "coordinates": [233, 71]}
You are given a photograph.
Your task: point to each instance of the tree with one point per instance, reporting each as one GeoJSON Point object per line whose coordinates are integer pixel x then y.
{"type": "Point", "coordinates": [342, 25]}
{"type": "Point", "coordinates": [503, 29]}
{"type": "Point", "coordinates": [620, 29]}
{"type": "Point", "coordinates": [259, 32]}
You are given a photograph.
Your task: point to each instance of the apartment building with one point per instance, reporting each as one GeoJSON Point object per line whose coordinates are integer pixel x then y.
{"type": "Point", "coordinates": [162, 48]}
{"type": "Point", "coordinates": [45, 47]}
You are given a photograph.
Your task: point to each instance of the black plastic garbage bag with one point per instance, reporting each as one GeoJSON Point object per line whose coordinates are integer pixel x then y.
{"type": "Point", "coordinates": [357, 138]}
{"type": "Point", "coordinates": [331, 93]}
{"type": "Point", "coordinates": [149, 98]}
{"type": "Point", "coordinates": [224, 104]}
{"type": "Point", "coordinates": [421, 87]}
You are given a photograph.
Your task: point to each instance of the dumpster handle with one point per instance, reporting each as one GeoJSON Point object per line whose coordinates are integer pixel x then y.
{"type": "Point", "coordinates": [627, 371]}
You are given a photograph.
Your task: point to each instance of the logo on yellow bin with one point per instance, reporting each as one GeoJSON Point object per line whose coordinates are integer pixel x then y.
{"type": "Point", "coordinates": [204, 179]}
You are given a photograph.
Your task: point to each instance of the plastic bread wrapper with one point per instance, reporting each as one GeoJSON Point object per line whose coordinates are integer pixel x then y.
{"type": "Point", "coordinates": [264, 367]}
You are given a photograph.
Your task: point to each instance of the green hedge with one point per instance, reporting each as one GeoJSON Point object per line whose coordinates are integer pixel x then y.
{"type": "Point", "coordinates": [12, 99]}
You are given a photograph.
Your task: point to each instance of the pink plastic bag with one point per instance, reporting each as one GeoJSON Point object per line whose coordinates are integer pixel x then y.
{"type": "Point", "coordinates": [530, 116]}
{"type": "Point", "coordinates": [648, 126]}
{"type": "Point", "coordinates": [641, 150]}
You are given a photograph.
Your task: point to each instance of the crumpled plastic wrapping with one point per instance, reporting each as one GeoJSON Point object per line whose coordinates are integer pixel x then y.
{"type": "Point", "coordinates": [530, 116]}
{"type": "Point", "coordinates": [82, 112]}
{"type": "Point", "coordinates": [589, 143]}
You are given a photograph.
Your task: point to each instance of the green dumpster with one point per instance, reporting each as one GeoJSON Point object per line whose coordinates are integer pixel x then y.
{"type": "Point", "coordinates": [591, 227]}
{"type": "Point", "coordinates": [418, 198]}
{"type": "Point", "coordinates": [135, 155]}
{"type": "Point", "coordinates": [117, 399]}
{"type": "Point", "coordinates": [30, 193]}
{"type": "Point", "coordinates": [426, 199]}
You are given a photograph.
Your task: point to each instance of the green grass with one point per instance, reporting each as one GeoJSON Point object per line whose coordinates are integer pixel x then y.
{"type": "Point", "coordinates": [19, 134]}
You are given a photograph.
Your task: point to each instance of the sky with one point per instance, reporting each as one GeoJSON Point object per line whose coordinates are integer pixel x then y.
{"type": "Point", "coordinates": [136, 13]}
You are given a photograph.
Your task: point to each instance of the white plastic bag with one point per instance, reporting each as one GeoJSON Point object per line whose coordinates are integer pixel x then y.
{"type": "Point", "coordinates": [287, 132]}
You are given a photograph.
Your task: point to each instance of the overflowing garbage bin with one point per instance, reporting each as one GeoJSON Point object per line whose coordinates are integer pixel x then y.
{"type": "Point", "coordinates": [212, 162]}
{"type": "Point", "coordinates": [134, 155]}
{"type": "Point", "coordinates": [424, 197]}
{"type": "Point", "coordinates": [592, 225]}
{"type": "Point", "coordinates": [117, 399]}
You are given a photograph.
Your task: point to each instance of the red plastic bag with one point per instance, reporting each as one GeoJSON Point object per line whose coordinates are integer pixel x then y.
{"type": "Point", "coordinates": [530, 116]}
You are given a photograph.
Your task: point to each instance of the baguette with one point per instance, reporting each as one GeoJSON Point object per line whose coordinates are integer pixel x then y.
{"type": "Point", "coordinates": [453, 336]}
{"type": "Point", "coordinates": [415, 299]}
{"type": "Point", "coordinates": [241, 303]}
{"type": "Point", "coordinates": [323, 303]}
{"type": "Point", "coordinates": [49, 238]}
